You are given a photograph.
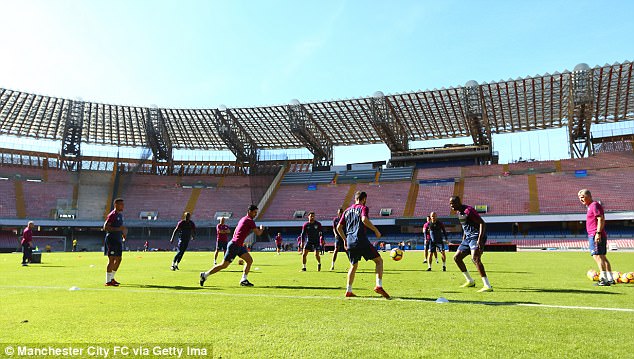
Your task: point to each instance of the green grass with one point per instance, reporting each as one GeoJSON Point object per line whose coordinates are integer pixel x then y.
{"type": "Point", "coordinates": [293, 314]}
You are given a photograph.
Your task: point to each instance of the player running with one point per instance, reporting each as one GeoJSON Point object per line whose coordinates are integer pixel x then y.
{"type": "Point", "coordinates": [187, 230]}
{"type": "Point", "coordinates": [436, 230]}
{"type": "Point", "coordinates": [338, 241]}
{"type": "Point", "coordinates": [473, 240]}
{"type": "Point", "coordinates": [311, 232]}
{"type": "Point", "coordinates": [222, 231]}
{"type": "Point", "coordinates": [352, 229]}
{"type": "Point", "coordinates": [236, 247]}
{"type": "Point", "coordinates": [116, 233]}
{"type": "Point", "coordinates": [597, 237]}
{"type": "Point", "coordinates": [278, 243]}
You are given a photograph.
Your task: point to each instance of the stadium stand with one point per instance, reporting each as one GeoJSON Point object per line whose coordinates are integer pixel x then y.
{"type": "Point", "coordinates": [308, 177]}
{"type": "Point", "coordinates": [392, 195]}
{"type": "Point", "coordinates": [502, 195]}
{"type": "Point", "coordinates": [396, 174]}
{"type": "Point", "coordinates": [9, 241]}
{"type": "Point", "coordinates": [357, 176]}
{"type": "Point", "coordinates": [324, 201]}
{"type": "Point", "coordinates": [613, 187]}
{"type": "Point", "coordinates": [161, 194]}
{"type": "Point", "coordinates": [434, 197]}
{"type": "Point", "coordinates": [7, 199]}
{"type": "Point", "coordinates": [439, 172]}
{"type": "Point", "coordinates": [93, 194]}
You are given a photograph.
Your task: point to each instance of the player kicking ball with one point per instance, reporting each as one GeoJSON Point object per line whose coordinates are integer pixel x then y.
{"type": "Point", "coordinates": [236, 247]}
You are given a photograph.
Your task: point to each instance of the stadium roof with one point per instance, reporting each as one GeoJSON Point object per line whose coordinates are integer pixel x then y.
{"type": "Point", "coordinates": [523, 104]}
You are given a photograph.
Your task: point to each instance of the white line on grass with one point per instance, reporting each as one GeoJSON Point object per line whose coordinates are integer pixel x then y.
{"type": "Point", "coordinates": [254, 295]}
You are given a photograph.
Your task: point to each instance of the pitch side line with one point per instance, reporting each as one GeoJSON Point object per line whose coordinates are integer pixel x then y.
{"type": "Point", "coordinates": [255, 295]}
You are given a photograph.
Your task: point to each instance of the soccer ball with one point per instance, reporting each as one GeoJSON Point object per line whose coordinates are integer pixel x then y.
{"type": "Point", "coordinates": [593, 275]}
{"type": "Point", "coordinates": [396, 254]}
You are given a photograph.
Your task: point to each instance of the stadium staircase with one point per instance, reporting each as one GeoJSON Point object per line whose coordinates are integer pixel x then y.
{"type": "Point", "coordinates": [412, 196]}
{"type": "Point", "coordinates": [20, 208]}
{"type": "Point", "coordinates": [272, 191]}
{"type": "Point", "coordinates": [193, 199]}
{"type": "Point", "coordinates": [533, 198]}
{"type": "Point", "coordinates": [349, 199]}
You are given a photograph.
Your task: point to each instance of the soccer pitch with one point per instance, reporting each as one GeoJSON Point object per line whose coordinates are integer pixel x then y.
{"type": "Point", "coordinates": [542, 306]}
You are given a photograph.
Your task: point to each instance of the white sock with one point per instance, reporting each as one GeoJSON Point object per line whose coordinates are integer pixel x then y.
{"type": "Point", "coordinates": [603, 275]}
{"type": "Point", "coordinates": [349, 288]}
{"type": "Point", "coordinates": [444, 263]}
{"type": "Point", "coordinates": [467, 276]}
{"type": "Point", "coordinates": [108, 277]}
{"type": "Point", "coordinates": [113, 273]}
{"type": "Point", "coordinates": [304, 265]}
{"type": "Point", "coordinates": [379, 282]}
{"type": "Point", "coordinates": [486, 283]}
{"type": "Point", "coordinates": [244, 277]}
{"type": "Point", "coordinates": [610, 276]}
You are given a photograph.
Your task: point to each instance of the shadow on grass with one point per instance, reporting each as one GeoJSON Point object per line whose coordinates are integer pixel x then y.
{"type": "Point", "coordinates": [299, 287]}
{"type": "Point", "coordinates": [46, 265]}
{"type": "Point", "coordinates": [156, 286]}
{"type": "Point", "coordinates": [563, 290]}
{"type": "Point", "coordinates": [509, 303]}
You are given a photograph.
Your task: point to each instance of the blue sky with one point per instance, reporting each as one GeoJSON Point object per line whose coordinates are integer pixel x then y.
{"type": "Point", "coordinates": [203, 54]}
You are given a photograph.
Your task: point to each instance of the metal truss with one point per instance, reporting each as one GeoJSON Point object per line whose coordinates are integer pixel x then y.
{"type": "Point", "coordinates": [310, 134]}
{"type": "Point", "coordinates": [507, 106]}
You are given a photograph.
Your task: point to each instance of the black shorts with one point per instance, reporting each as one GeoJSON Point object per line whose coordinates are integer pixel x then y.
{"type": "Point", "coordinates": [339, 247]}
{"type": "Point", "coordinates": [362, 250]}
{"type": "Point", "coordinates": [436, 246]}
{"type": "Point", "coordinates": [278, 246]}
{"type": "Point", "coordinates": [233, 251]}
{"type": "Point", "coordinates": [221, 246]}
{"type": "Point", "coordinates": [113, 247]}
{"type": "Point", "coordinates": [309, 246]}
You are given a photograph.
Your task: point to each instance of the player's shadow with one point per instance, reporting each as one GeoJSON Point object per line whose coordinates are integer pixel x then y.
{"type": "Point", "coordinates": [299, 287]}
{"type": "Point", "coordinates": [502, 271]}
{"type": "Point", "coordinates": [457, 301]}
{"type": "Point", "coordinates": [156, 286]}
{"type": "Point", "coordinates": [47, 266]}
{"type": "Point", "coordinates": [563, 290]}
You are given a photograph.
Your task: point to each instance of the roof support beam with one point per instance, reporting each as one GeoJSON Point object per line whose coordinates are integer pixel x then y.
{"type": "Point", "coordinates": [235, 137]}
{"type": "Point", "coordinates": [580, 108]}
{"type": "Point", "coordinates": [387, 124]}
{"type": "Point", "coordinates": [475, 113]}
{"type": "Point", "coordinates": [303, 126]}
{"type": "Point", "coordinates": [160, 144]}
{"type": "Point", "coordinates": [71, 140]}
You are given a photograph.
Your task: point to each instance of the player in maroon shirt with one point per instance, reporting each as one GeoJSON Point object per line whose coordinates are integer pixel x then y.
{"type": "Point", "coordinates": [222, 231]}
{"type": "Point", "coordinates": [236, 247]}
{"type": "Point", "coordinates": [278, 243]}
{"type": "Point", "coordinates": [27, 243]}
{"type": "Point", "coordinates": [597, 237]}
